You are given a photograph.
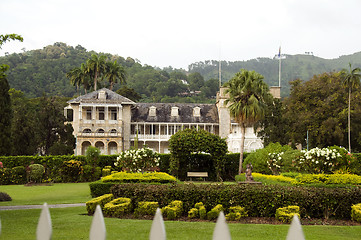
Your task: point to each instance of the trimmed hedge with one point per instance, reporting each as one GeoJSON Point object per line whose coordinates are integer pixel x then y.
{"type": "Point", "coordinates": [101, 201]}
{"type": "Point", "coordinates": [236, 213]}
{"type": "Point", "coordinates": [258, 201]}
{"type": "Point", "coordinates": [118, 207]}
{"type": "Point", "coordinates": [154, 177]}
{"type": "Point", "coordinates": [146, 208]}
{"type": "Point", "coordinates": [173, 210]}
{"type": "Point", "coordinates": [213, 214]}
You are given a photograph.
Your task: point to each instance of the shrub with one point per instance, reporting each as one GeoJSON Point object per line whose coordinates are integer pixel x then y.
{"type": "Point", "coordinates": [101, 201]}
{"type": "Point", "coordinates": [146, 208]}
{"type": "Point", "coordinates": [4, 197]}
{"type": "Point", "coordinates": [356, 212]}
{"type": "Point", "coordinates": [36, 172]}
{"type": "Point", "coordinates": [173, 210]}
{"type": "Point", "coordinates": [92, 156]}
{"type": "Point", "coordinates": [199, 211]}
{"type": "Point", "coordinates": [91, 173]}
{"type": "Point", "coordinates": [18, 175]}
{"type": "Point", "coordinates": [137, 160]}
{"type": "Point", "coordinates": [213, 214]}
{"type": "Point", "coordinates": [236, 213]}
{"type": "Point", "coordinates": [258, 200]}
{"type": "Point", "coordinates": [140, 177]}
{"type": "Point", "coordinates": [100, 188]}
{"type": "Point", "coordinates": [5, 176]}
{"type": "Point", "coordinates": [71, 171]}
{"type": "Point", "coordinates": [323, 160]}
{"type": "Point", "coordinates": [274, 158]}
{"type": "Point", "coordinates": [286, 214]}
{"type": "Point", "coordinates": [118, 207]}
{"type": "Point", "coordinates": [106, 171]}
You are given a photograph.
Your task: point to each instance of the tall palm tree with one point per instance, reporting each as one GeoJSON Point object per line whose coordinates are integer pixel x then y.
{"type": "Point", "coordinates": [113, 73]}
{"type": "Point", "coordinates": [350, 79]}
{"type": "Point", "coordinates": [95, 67]}
{"type": "Point", "coordinates": [247, 102]}
{"type": "Point", "coordinates": [78, 76]}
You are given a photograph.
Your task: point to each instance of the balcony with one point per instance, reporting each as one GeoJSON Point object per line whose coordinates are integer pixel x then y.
{"type": "Point", "coordinates": [143, 137]}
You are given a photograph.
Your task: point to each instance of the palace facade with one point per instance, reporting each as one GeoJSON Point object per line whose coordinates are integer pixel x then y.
{"type": "Point", "coordinates": [113, 123]}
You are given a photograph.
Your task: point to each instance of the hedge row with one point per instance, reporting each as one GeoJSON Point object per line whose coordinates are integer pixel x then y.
{"type": "Point", "coordinates": [259, 201]}
{"type": "Point", "coordinates": [14, 167]}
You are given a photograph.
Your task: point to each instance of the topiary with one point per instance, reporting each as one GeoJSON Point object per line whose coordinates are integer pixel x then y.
{"type": "Point", "coordinates": [286, 214]}
{"type": "Point", "coordinates": [213, 214]}
{"type": "Point", "coordinates": [4, 197]}
{"type": "Point", "coordinates": [36, 172]}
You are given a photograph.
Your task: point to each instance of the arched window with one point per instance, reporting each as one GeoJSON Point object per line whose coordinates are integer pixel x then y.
{"type": "Point", "coordinates": [100, 130]}
{"type": "Point", "coordinates": [87, 130]}
{"type": "Point", "coordinates": [113, 131]}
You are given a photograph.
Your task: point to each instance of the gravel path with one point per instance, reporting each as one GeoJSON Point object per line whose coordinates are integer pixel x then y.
{"type": "Point", "coordinates": [40, 206]}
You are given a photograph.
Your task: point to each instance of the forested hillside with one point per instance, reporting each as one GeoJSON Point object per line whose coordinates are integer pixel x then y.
{"type": "Point", "coordinates": [43, 71]}
{"type": "Point", "coordinates": [302, 67]}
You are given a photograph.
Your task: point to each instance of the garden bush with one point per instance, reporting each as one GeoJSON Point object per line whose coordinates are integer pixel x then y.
{"type": "Point", "coordinates": [236, 213]}
{"type": "Point", "coordinates": [356, 212]}
{"type": "Point", "coordinates": [18, 175]}
{"type": "Point", "coordinates": [146, 208]}
{"type": "Point", "coordinates": [106, 171]}
{"type": "Point", "coordinates": [154, 177]}
{"type": "Point", "coordinates": [101, 201]}
{"type": "Point", "coordinates": [100, 188]}
{"type": "Point", "coordinates": [258, 201]}
{"type": "Point", "coordinates": [72, 171]}
{"type": "Point", "coordinates": [272, 159]}
{"type": "Point", "coordinates": [213, 214]}
{"type": "Point", "coordinates": [4, 197]}
{"type": "Point", "coordinates": [286, 214]}
{"type": "Point", "coordinates": [5, 176]}
{"type": "Point", "coordinates": [36, 172]}
{"type": "Point", "coordinates": [173, 210]}
{"type": "Point", "coordinates": [137, 160]}
{"type": "Point", "coordinates": [118, 207]}
{"type": "Point", "coordinates": [199, 211]}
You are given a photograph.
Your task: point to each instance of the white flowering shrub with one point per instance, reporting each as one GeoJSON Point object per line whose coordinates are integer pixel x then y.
{"type": "Point", "coordinates": [275, 161]}
{"type": "Point", "coordinates": [320, 160]}
{"type": "Point", "coordinates": [137, 160]}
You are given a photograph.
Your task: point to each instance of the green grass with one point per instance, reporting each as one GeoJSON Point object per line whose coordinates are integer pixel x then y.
{"type": "Point", "coordinates": [57, 193]}
{"type": "Point", "coordinates": [72, 223]}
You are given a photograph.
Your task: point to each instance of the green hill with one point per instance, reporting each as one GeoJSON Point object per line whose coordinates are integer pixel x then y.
{"type": "Point", "coordinates": [44, 70]}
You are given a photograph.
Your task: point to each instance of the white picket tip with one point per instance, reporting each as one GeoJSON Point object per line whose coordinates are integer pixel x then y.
{"type": "Point", "coordinates": [157, 231]}
{"type": "Point", "coordinates": [97, 229]}
{"type": "Point", "coordinates": [295, 231]}
{"type": "Point", "coordinates": [221, 231]}
{"type": "Point", "coordinates": [44, 229]}
{"type": "Point", "coordinates": [0, 227]}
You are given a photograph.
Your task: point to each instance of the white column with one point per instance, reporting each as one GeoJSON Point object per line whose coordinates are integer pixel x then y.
{"type": "Point", "coordinates": [80, 112]}
{"type": "Point", "coordinates": [94, 113]}
{"type": "Point", "coordinates": [106, 113]}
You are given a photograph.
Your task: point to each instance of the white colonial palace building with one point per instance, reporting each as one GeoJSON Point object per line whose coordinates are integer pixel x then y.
{"type": "Point", "coordinates": [113, 123]}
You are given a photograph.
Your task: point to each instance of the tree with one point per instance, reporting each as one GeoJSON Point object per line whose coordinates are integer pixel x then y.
{"type": "Point", "coordinates": [127, 92]}
{"type": "Point", "coordinates": [351, 79]}
{"type": "Point", "coordinates": [5, 112]}
{"type": "Point", "coordinates": [78, 76]}
{"type": "Point", "coordinates": [319, 107]}
{"type": "Point", "coordinates": [114, 72]}
{"type": "Point", "coordinates": [196, 81]}
{"type": "Point", "coordinates": [5, 102]}
{"type": "Point", "coordinates": [248, 94]}
{"type": "Point", "coordinates": [95, 66]}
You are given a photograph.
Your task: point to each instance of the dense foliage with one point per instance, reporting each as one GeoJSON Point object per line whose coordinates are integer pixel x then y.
{"type": "Point", "coordinates": [188, 142]}
{"type": "Point", "coordinates": [258, 201]}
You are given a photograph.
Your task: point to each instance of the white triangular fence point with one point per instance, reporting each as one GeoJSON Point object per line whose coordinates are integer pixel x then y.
{"type": "Point", "coordinates": [157, 232]}
{"type": "Point", "coordinates": [97, 229]}
{"type": "Point", "coordinates": [44, 229]}
{"type": "Point", "coordinates": [221, 231]}
{"type": "Point", "coordinates": [0, 227]}
{"type": "Point", "coordinates": [295, 231]}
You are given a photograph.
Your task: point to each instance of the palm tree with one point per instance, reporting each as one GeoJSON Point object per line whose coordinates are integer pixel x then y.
{"type": "Point", "coordinates": [95, 67]}
{"type": "Point", "coordinates": [113, 72]}
{"type": "Point", "coordinates": [350, 79]}
{"type": "Point", "coordinates": [247, 102]}
{"type": "Point", "coordinates": [78, 76]}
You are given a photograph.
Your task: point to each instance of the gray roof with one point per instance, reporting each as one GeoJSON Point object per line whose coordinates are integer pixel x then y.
{"type": "Point", "coordinates": [208, 113]}
{"type": "Point", "coordinates": [111, 97]}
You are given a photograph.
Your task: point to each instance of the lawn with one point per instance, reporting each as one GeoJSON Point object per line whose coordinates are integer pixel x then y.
{"type": "Point", "coordinates": [56, 193]}
{"type": "Point", "coordinates": [73, 223]}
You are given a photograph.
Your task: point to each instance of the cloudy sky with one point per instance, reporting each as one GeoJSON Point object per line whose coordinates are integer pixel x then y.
{"type": "Point", "coordinates": [180, 32]}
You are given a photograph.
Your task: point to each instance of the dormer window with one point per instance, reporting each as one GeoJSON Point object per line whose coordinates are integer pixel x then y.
{"type": "Point", "coordinates": [196, 112]}
{"type": "Point", "coordinates": [174, 112]}
{"type": "Point", "coordinates": [102, 95]}
{"type": "Point", "coordinates": [152, 111]}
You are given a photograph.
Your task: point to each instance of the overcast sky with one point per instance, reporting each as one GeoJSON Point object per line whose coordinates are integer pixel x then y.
{"type": "Point", "coordinates": [180, 32]}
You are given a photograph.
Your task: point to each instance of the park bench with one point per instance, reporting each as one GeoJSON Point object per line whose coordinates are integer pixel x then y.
{"type": "Point", "coordinates": [197, 174]}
